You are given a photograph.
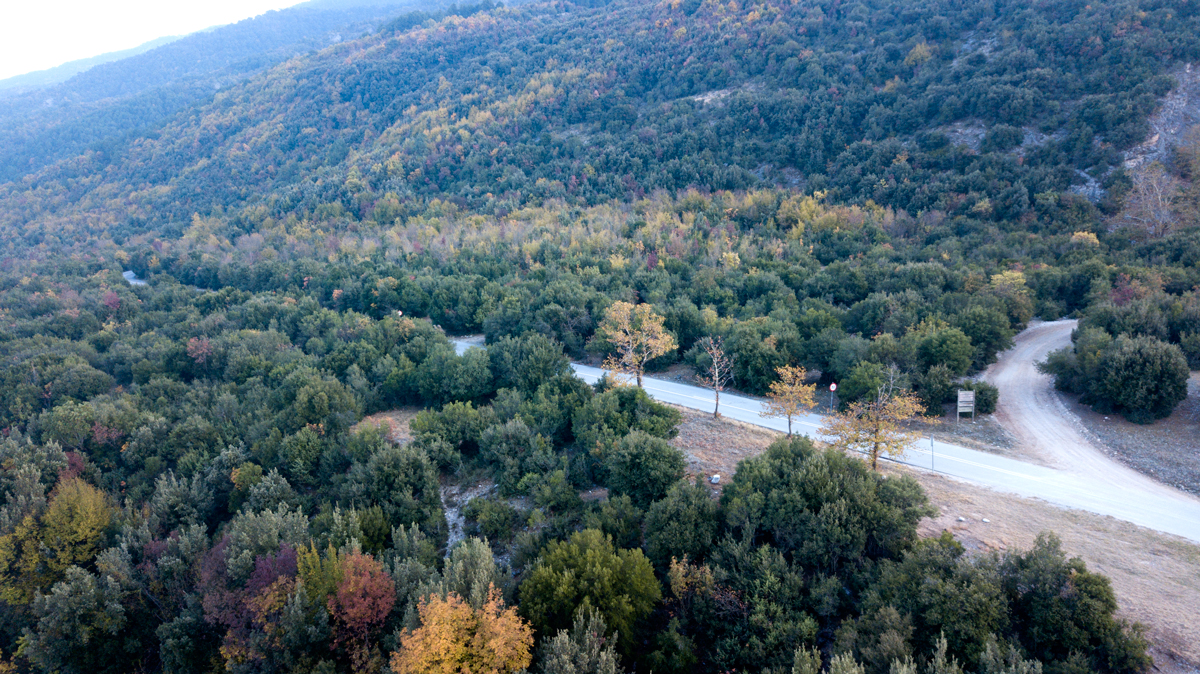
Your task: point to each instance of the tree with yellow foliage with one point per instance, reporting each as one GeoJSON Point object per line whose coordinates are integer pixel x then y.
{"type": "Point", "coordinates": [789, 396]}
{"type": "Point", "coordinates": [638, 336]}
{"type": "Point", "coordinates": [70, 533]}
{"type": "Point", "coordinates": [453, 638]}
{"type": "Point", "coordinates": [876, 426]}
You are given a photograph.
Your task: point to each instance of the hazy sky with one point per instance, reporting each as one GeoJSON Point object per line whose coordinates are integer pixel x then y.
{"type": "Point", "coordinates": [39, 34]}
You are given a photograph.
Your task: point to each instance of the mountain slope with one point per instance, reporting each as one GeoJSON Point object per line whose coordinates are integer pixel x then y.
{"type": "Point", "coordinates": [50, 76]}
{"type": "Point", "coordinates": [559, 101]}
{"type": "Point", "coordinates": [112, 99]}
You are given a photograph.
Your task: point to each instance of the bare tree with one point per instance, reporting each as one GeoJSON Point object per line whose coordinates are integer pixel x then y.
{"type": "Point", "coordinates": [876, 427]}
{"type": "Point", "coordinates": [719, 372]}
{"type": "Point", "coordinates": [789, 396]}
{"type": "Point", "coordinates": [637, 334]}
{"type": "Point", "coordinates": [1151, 202]}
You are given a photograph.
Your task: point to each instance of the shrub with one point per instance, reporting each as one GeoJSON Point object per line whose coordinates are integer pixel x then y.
{"type": "Point", "coordinates": [1144, 378]}
{"type": "Point", "coordinates": [1190, 344]}
{"type": "Point", "coordinates": [1002, 138]}
{"type": "Point", "coordinates": [589, 570]}
{"type": "Point", "coordinates": [935, 387]}
{"type": "Point", "coordinates": [683, 524]}
{"type": "Point", "coordinates": [492, 518]}
{"type": "Point", "coordinates": [643, 467]}
{"type": "Point", "coordinates": [863, 381]}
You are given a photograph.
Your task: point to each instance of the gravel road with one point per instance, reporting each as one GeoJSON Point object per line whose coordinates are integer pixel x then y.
{"type": "Point", "coordinates": [1031, 410]}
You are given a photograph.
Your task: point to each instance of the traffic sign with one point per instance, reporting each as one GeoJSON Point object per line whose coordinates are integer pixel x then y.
{"type": "Point", "coordinates": [833, 387]}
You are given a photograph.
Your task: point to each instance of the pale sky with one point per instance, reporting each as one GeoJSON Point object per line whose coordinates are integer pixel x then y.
{"type": "Point", "coordinates": [40, 34]}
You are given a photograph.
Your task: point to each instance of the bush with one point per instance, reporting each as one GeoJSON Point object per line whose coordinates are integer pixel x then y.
{"type": "Point", "coordinates": [643, 467]}
{"type": "Point", "coordinates": [683, 524]}
{"type": "Point", "coordinates": [492, 518]}
{"type": "Point", "coordinates": [1190, 344]}
{"type": "Point", "coordinates": [1144, 378]}
{"type": "Point", "coordinates": [526, 362]}
{"type": "Point", "coordinates": [1141, 378]}
{"type": "Point", "coordinates": [615, 412]}
{"type": "Point", "coordinates": [949, 347]}
{"type": "Point", "coordinates": [1002, 138]}
{"type": "Point", "coordinates": [863, 382]}
{"type": "Point", "coordinates": [619, 519]}
{"type": "Point", "coordinates": [936, 387]}
{"type": "Point", "coordinates": [589, 570]}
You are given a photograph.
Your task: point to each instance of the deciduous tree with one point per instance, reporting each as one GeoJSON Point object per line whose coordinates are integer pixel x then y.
{"type": "Point", "coordinates": [1151, 202]}
{"type": "Point", "coordinates": [789, 396]}
{"type": "Point", "coordinates": [359, 607]}
{"type": "Point", "coordinates": [719, 371]}
{"type": "Point", "coordinates": [70, 533]}
{"type": "Point", "coordinates": [877, 426]}
{"type": "Point", "coordinates": [638, 336]}
{"type": "Point", "coordinates": [455, 638]}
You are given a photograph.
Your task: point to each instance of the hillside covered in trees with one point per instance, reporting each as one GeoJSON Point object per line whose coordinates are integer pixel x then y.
{"type": "Point", "coordinates": [847, 187]}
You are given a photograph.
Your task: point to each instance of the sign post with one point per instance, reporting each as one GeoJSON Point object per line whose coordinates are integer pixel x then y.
{"type": "Point", "coordinates": [832, 388]}
{"type": "Point", "coordinates": [966, 403]}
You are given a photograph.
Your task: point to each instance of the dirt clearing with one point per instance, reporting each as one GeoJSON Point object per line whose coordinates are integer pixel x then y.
{"type": "Point", "coordinates": [396, 421]}
{"type": "Point", "coordinates": [714, 446]}
{"type": "Point", "coordinates": [1167, 450]}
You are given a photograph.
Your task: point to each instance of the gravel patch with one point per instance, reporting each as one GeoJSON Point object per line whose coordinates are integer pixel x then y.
{"type": "Point", "coordinates": [1167, 450]}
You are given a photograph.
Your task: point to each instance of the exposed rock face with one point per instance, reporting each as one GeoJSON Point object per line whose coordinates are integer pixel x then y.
{"type": "Point", "coordinates": [1179, 114]}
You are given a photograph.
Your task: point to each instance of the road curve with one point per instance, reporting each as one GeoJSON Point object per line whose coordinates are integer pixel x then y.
{"type": "Point", "coordinates": [1154, 506]}
{"type": "Point", "coordinates": [1034, 412]}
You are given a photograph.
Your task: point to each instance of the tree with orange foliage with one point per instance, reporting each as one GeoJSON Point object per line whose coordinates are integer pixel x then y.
{"type": "Point", "coordinates": [359, 607]}
{"type": "Point", "coordinates": [877, 426]}
{"type": "Point", "coordinates": [453, 637]}
{"type": "Point", "coordinates": [637, 334]}
{"type": "Point", "coordinates": [790, 396]}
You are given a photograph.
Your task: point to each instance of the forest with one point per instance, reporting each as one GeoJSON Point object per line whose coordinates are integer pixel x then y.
{"type": "Point", "coordinates": [882, 193]}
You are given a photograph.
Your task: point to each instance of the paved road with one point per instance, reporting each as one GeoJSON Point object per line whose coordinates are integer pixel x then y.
{"type": "Point", "coordinates": [1169, 511]}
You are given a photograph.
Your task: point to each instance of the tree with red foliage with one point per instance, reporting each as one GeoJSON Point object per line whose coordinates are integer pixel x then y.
{"type": "Point", "coordinates": [199, 349]}
{"type": "Point", "coordinates": [111, 301]}
{"type": "Point", "coordinates": [363, 600]}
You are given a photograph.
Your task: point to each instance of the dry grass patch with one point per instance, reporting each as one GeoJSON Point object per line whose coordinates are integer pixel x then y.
{"type": "Point", "coordinates": [717, 445]}
{"type": "Point", "coordinates": [396, 421]}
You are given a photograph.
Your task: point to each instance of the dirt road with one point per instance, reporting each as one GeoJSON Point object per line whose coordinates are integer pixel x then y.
{"type": "Point", "coordinates": [1031, 410]}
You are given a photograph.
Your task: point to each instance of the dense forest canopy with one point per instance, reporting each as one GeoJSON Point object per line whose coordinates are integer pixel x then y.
{"type": "Point", "coordinates": [850, 187]}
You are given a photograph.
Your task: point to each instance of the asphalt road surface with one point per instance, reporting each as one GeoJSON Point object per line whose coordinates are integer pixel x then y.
{"type": "Point", "coordinates": [1078, 480]}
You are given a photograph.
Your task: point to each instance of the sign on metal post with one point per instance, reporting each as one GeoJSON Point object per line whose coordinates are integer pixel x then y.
{"type": "Point", "coordinates": [966, 403]}
{"type": "Point", "coordinates": [832, 388]}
